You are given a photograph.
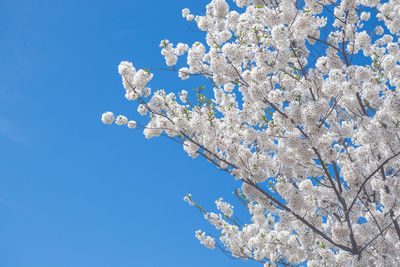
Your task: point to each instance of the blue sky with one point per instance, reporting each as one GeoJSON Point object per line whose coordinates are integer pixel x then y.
{"type": "Point", "coordinates": [74, 192]}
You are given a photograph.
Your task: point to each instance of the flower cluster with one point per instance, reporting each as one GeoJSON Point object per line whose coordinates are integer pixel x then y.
{"type": "Point", "coordinates": [134, 81]}
{"type": "Point", "coordinates": [108, 118]}
{"type": "Point", "coordinates": [170, 53]}
{"type": "Point", "coordinates": [312, 133]}
{"type": "Point", "coordinates": [207, 241]}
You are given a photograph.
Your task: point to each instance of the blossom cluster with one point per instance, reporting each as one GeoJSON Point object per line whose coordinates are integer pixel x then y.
{"type": "Point", "coordinates": [313, 135]}
{"type": "Point", "coordinates": [108, 118]}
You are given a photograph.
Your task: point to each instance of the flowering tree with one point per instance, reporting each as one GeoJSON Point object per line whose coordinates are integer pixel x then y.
{"type": "Point", "coordinates": [304, 110]}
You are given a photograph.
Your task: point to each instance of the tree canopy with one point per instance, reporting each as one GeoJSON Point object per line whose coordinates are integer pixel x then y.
{"type": "Point", "coordinates": [301, 106]}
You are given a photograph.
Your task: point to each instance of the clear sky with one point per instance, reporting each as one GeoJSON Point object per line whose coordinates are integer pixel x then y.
{"type": "Point", "coordinates": [74, 192]}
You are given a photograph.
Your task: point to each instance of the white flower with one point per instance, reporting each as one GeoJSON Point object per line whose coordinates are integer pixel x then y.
{"type": "Point", "coordinates": [184, 73]}
{"type": "Point", "coordinates": [126, 68]}
{"type": "Point", "coordinates": [190, 17]}
{"type": "Point", "coordinates": [181, 49]}
{"type": "Point", "coordinates": [121, 120]}
{"type": "Point", "coordinates": [224, 207]}
{"type": "Point", "coordinates": [363, 74]}
{"type": "Point", "coordinates": [183, 96]}
{"type": "Point", "coordinates": [107, 117]}
{"type": "Point", "coordinates": [185, 12]}
{"type": "Point", "coordinates": [207, 241]}
{"type": "Point", "coordinates": [379, 30]}
{"type": "Point", "coordinates": [221, 8]}
{"type": "Point", "coordinates": [365, 16]}
{"type": "Point", "coordinates": [131, 124]}
{"type": "Point", "coordinates": [188, 199]}
{"type": "Point", "coordinates": [142, 109]}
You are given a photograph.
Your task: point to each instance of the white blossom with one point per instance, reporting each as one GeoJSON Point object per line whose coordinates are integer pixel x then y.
{"type": "Point", "coordinates": [131, 124]}
{"type": "Point", "coordinates": [205, 240]}
{"type": "Point", "coordinates": [121, 120]}
{"type": "Point", "coordinates": [224, 207]}
{"type": "Point", "coordinates": [107, 117]}
{"type": "Point", "coordinates": [185, 12]}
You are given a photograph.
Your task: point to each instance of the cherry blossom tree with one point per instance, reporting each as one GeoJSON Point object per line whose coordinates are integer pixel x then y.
{"type": "Point", "coordinates": [301, 106]}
